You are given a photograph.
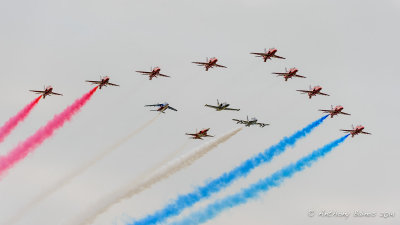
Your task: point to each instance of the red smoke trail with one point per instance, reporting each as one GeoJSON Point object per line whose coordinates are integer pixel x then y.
{"type": "Point", "coordinates": [6, 129]}
{"type": "Point", "coordinates": [27, 146]}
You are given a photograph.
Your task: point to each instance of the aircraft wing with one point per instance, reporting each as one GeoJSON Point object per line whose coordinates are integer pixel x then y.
{"type": "Point", "coordinates": [320, 93]}
{"type": "Point", "coordinates": [211, 106]}
{"type": "Point", "coordinates": [93, 81]}
{"type": "Point", "coordinates": [347, 130]}
{"type": "Point", "coordinates": [262, 124]}
{"type": "Point", "coordinates": [258, 54]}
{"type": "Point", "coordinates": [326, 110]}
{"type": "Point", "coordinates": [299, 76]}
{"type": "Point", "coordinates": [38, 92]}
{"type": "Point", "coordinates": [113, 84]}
{"type": "Point", "coordinates": [279, 57]}
{"type": "Point", "coordinates": [209, 135]}
{"type": "Point", "coordinates": [195, 136]}
{"type": "Point", "coordinates": [154, 105]}
{"type": "Point", "coordinates": [200, 63]}
{"type": "Point", "coordinates": [169, 107]}
{"type": "Point", "coordinates": [143, 72]}
{"type": "Point", "coordinates": [163, 75]}
{"type": "Point", "coordinates": [217, 65]}
{"type": "Point", "coordinates": [282, 74]}
{"type": "Point", "coordinates": [345, 113]}
{"type": "Point", "coordinates": [231, 109]}
{"type": "Point", "coordinates": [304, 91]}
{"type": "Point", "coordinates": [240, 121]}
{"type": "Point", "coordinates": [53, 93]}
{"type": "Point", "coordinates": [365, 132]}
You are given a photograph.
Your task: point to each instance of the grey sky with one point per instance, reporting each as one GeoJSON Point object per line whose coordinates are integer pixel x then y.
{"type": "Point", "coordinates": [350, 48]}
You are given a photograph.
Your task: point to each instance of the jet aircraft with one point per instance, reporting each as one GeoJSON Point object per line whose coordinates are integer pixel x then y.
{"type": "Point", "coordinates": [313, 91]}
{"type": "Point", "coordinates": [248, 123]}
{"type": "Point", "coordinates": [104, 81]}
{"type": "Point", "coordinates": [290, 74]}
{"type": "Point", "coordinates": [200, 134]}
{"type": "Point", "coordinates": [221, 106]}
{"type": "Point", "coordinates": [153, 73]}
{"type": "Point", "coordinates": [334, 111]}
{"type": "Point", "coordinates": [357, 130]}
{"type": "Point", "coordinates": [271, 53]}
{"type": "Point", "coordinates": [162, 107]}
{"type": "Point", "coordinates": [47, 91]}
{"type": "Point", "coordinates": [210, 63]}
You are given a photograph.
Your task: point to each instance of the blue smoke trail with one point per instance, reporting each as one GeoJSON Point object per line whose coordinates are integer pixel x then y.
{"type": "Point", "coordinates": [263, 185]}
{"type": "Point", "coordinates": [213, 186]}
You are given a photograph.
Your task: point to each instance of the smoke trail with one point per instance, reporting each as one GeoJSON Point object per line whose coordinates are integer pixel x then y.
{"type": "Point", "coordinates": [263, 185]}
{"type": "Point", "coordinates": [156, 174]}
{"type": "Point", "coordinates": [67, 179]}
{"type": "Point", "coordinates": [213, 186]}
{"type": "Point", "coordinates": [131, 135]}
{"type": "Point", "coordinates": [6, 129]}
{"type": "Point", "coordinates": [27, 146]}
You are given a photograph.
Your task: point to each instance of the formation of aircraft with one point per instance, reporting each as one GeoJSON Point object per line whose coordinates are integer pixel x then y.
{"type": "Point", "coordinates": [221, 106]}
{"type": "Point", "coordinates": [271, 53]}
{"type": "Point", "coordinates": [357, 130]}
{"type": "Point", "coordinates": [47, 91]}
{"type": "Point", "coordinates": [153, 73]}
{"type": "Point", "coordinates": [289, 74]}
{"type": "Point", "coordinates": [316, 90]}
{"type": "Point", "coordinates": [334, 111]}
{"type": "Point", "coordinates": [162, 107]}
{"type": "Point", "coordinates": [248, 123]}
{"type": "Point", "coordinates": [200, 134]}
{"type": "Point", "coordinates": [210, 63]}
{"type": "Point", "coordinates": [104, 81]}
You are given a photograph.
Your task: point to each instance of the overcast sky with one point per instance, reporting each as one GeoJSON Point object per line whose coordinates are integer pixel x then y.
{"type": "Point", "coordinates": [350, 48]}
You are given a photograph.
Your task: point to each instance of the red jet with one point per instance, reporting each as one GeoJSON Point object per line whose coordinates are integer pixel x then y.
{"type": "Point", "coordinates": [313, 91]}
{"type": "Point", "coordinates": [104, 81]}
{"type": "Point", "coordinates": [290, 74]}
{"type": "Point", "coordinates": [210, 63]}
{"type": "Point", "coordinates": [200, 134]}
{"type": "Point", "coordinates": [47, 91]}
{"type": "Point", "coordinates": [153, 73]}
{"type": "Point", "coordinates": [358, 130]}
{"type": "Point", "coordinates": [267, 55]}
{"type": "Point", "coordinates": [334, 111]}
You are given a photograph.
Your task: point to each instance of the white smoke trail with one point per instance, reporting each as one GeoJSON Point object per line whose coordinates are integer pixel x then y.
{"type": "Point", "coordinates": [160, 172]}
{"type": "Point", "coordinates": [64, 181]}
